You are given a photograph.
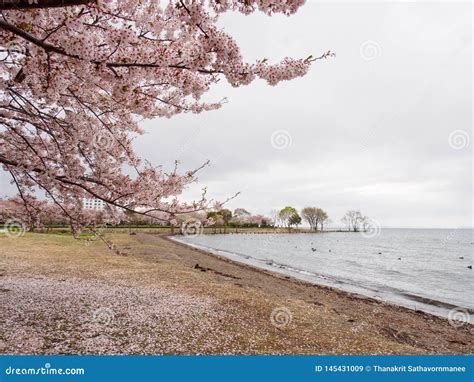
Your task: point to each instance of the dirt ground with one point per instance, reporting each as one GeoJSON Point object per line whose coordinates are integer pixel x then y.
{"type": "Point", "coordinates": [63, 296]}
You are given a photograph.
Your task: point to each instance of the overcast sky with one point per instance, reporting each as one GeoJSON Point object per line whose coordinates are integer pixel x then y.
{"type": "Point", "coordinates": [369, 129]}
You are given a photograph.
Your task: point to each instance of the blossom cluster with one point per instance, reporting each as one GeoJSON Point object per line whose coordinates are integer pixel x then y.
{"type": "Point", "coordinates": [76, 81]}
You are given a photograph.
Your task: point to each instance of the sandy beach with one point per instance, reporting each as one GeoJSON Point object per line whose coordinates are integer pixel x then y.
{"type": "Point", "coordinates": [63, 296]}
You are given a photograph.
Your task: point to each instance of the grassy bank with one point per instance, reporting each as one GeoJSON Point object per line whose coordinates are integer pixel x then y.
{"type": "Point", "coordinates": [62, 296]}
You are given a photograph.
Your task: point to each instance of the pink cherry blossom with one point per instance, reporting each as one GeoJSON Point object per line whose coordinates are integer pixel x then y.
{"type": "Point", "coordinates": [77, 79]}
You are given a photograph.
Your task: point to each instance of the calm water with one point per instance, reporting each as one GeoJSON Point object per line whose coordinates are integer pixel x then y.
{"type": "Point", "coordinates": [426, 269]}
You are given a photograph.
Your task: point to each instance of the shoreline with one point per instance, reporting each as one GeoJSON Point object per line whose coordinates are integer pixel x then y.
{"type": "Point", "coordinates": [432, 307]}
{"type": "Point", "coordinates": [164, 297]}
{"type": "Point", "coordinates": [411, 322]}
{"type": "Point", "coordinates": [308, 283]}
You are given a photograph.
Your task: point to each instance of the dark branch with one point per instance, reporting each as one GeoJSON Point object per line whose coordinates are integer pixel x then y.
{"type": "Point", "coordinates": [25, 4]}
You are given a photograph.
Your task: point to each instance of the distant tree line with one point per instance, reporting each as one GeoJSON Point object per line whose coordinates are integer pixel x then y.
{"type": "Point", "coordinates": [288, 217]}
{"type": "Point", "coordinates": [315, 217]}
{"type": "Point", "coordinates": [240, 218]}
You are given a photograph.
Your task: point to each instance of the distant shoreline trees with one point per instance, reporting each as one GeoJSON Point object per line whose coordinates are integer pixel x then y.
{"type": "Point", "coordinates": [288, 217]}
{"type": "Point", "coordinates": [355, 221]}
{"type": "Point", "coordinates": [240, 218]}
{"type": "Point", "coordinates": [315, 217]}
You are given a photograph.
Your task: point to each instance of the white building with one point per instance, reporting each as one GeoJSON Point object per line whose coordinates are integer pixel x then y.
{"type": "Point", "coordinates": [93, 204]}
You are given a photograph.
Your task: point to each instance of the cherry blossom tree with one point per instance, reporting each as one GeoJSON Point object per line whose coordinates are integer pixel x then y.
{"type": "Point", "coordinates": [78, 76]}
{"type": "Point", "coordinates": [36, 214]}
{"type": "Point", "coordinates": [247, 219]}
{"type": "Point", "coordinates": [15, 216]}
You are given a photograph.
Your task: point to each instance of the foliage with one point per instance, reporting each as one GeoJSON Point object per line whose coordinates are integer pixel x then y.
{"type": "Point", "coordinates": [294, 220]}
{"type": "Point", "coordinates": [289, 216]}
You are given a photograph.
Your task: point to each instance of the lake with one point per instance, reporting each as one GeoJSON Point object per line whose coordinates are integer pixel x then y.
{"type": "Point", "coordinates": [424, 269]}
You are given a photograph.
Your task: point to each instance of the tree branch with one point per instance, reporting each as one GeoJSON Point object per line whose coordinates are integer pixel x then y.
{"type": "Point", "coordinates": [25, 4]}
